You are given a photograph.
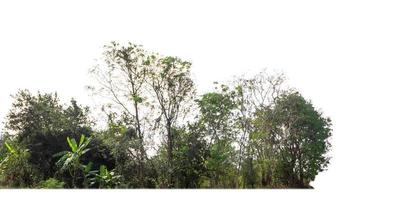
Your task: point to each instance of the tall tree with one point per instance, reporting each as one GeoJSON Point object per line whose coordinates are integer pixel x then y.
{"type": "Point", "coordinates": [216, 116]}
{"type": "Point", "coordinates": [173, 89]}
{"type": "Point", "coordinates": [252, 94]}
{"type": "Point", "coordinates": [123, 77]}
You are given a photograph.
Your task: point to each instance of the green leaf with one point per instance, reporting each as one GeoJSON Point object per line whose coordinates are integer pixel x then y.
{"type": "Point", "coordinates": [60, 153]}
{"type": "Point", "coordinates": [72, 144]}
{"type": "Point", "coordinates": [103, 170]}
{"type": "Point", "coordinates": [137, 99]}
{"type": "Point", "coordinates": [81, 139]}
{"type": "Point", "coordinates": [10, 148]}
{"type": "Point", "coordinates": [88, 167]}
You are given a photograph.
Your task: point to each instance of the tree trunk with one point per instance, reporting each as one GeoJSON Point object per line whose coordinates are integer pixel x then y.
{"type": "Point", "coordinates": [301, 175]}
{"type": "Point", "coordinates": [170, 154]}
{"type": "Point", "coordinates": [141, 146]}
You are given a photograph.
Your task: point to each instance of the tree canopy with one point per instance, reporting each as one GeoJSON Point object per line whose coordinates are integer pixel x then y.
{"type": "Point", "coordinates": [251, 132]}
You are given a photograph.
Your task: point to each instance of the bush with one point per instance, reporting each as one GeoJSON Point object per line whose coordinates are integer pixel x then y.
{"type": "Point", "coordinates": [15, 170]}
{"type": "Point", "coordinates": [51, 183]}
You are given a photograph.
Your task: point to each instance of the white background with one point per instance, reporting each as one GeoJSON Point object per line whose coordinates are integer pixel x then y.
{"type": "Point", "coordinates": [339, 54]}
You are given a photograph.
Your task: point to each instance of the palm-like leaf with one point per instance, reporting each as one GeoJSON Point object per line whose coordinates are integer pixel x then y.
{"type": "Point", "coordinates": [10, 148]}
{"type": "Point", "coordinates": [70, 159]}
{"type": "Point", "coordinates": [72, 144]}
{"type": "Point", "coordinates": [82, 138]}
{"type": "Point", "coordinates": [60, 153]}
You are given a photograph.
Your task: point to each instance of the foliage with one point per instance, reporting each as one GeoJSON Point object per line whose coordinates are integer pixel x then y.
{"type": "Point", "coordinates": [104, 178]}
{"type": "Point", "coordinates": [51, 183]}
{"type": "Point", "coordinates": [123, 76]}
{"type": "Point", "coordinates": [15, 171]}
{"type": "Point", "coordinates": [174, 89]}
{"type": "Point", "coordinates": [70, 160]}
{"type": "Point", "coordinates": [41, 124]}
{"type": "Point", "coordinates": [221, 165]}
{"type": "Point", "coordinates": [252, 132]}
{"type": "Point", "coordinates": [298, 135]}
{"type": "Point", "coordinates": [190, 156]}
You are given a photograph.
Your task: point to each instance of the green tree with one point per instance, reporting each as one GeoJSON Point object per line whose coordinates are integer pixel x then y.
{"type": "Point", "coordinates": [41, 124]}
{"type": "Point", "coordinates": [252, 94]}
{"type": "Point", "coordinates": [300, 135]}
{"type": "Point", "coordinates": [251, 133]}
{"type": "Point", "coordinates": [216, 110]}
{"type": "Point", "coordinates": [173, 91]}
{"type": "Point", "coordinates": [221, 165]}
{"type": "Point", "coordinates": [216, 114]}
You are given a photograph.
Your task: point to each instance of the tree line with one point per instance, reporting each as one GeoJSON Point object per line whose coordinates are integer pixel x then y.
{"type": "Point", "coordinates": [249, 133]}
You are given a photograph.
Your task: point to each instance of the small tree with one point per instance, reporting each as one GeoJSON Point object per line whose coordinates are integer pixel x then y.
{"type": "Point", "coordinates": [70, 160]}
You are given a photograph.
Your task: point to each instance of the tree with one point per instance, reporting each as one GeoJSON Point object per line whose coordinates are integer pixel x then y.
{"type": "Point", "coordinates": [251, 133]}
{"type": "Point", "coordinates": [173, 90]}
{"type": "Point", "coordinates": [216, 115]}
{"type": "Point", "coordinates": [216, 110]}
{"type": "Point", "coordinates": [41, 124]}
{"type": "Point", "coordinates": [123, 78]}
{"type": "Point", "coordinates": [32, 115]}
{"type": "Point", "coordinates": [299, 135]}
{"type": "Point", "coordinates": [70, 160]}
{"type": "Point", "coordinates": [252, 94]}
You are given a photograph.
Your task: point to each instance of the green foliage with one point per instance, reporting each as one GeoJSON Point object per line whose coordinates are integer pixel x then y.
{"type": "Point", "coordinates": [252, 133]}
{"type": "Point", "coordinates": [174, 90]}
{"type": "Point", "coordinates": [41, 124]}
{"type": "Point", "coordinates": [124, 145]}
{"type": "Point", "coordinates": [124, 76]}
{"type": "Point", "coordinates": [15, 171]}
{"type": "Point", "coordinates": [190, 156]}
{"type": "Point", "coordinates": [105, 178]}
{"type": "Point", "coordinates": [216, 111]}
{"type": "Point", "coordinates": [70, 160]}
{"type": "Point", "coordinates": [220, 164]}
{"type": "Point", "coordinates": [51, 183]}
{"type": "Point", "coordinates": [298, 135]}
